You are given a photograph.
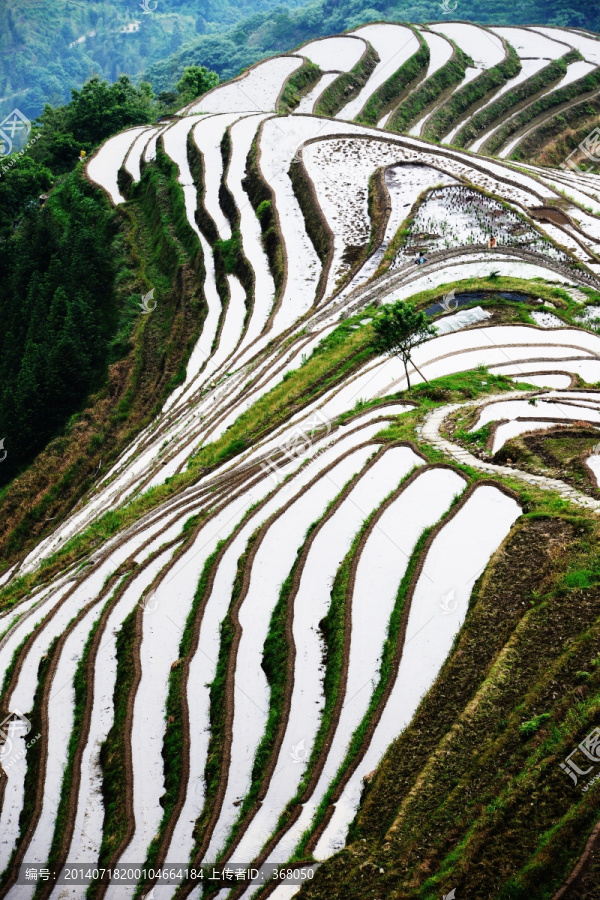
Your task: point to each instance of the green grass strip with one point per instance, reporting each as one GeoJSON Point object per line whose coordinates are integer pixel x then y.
{"type": "Point", "coordinates": [498, 108]}
{"type": "Point", "coordinates": [443, 119]}
{"type": "Point", "coordinates": [112, 752]}
{"type": "Point", "coordinates": [348, 85]}
{"type": "Point", "coordinates": [391, 89]}
{"type": "Point", "coordinates": [261, 197]}
{"type": "Point", "coordinates": [409, 111]}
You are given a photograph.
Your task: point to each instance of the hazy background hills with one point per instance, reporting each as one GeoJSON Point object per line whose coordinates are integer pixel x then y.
{"type": "Point", "coordinates": [50, 46]}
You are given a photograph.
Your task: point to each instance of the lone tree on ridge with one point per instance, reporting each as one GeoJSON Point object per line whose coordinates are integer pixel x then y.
{"type": "Point", "coordinates": [398, 330]}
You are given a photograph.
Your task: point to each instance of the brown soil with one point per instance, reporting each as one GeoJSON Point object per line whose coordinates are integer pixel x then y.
{"type": "Point", "coordinates": [550, 214]}
{"type": "Point", "coordinates": [559, 452]}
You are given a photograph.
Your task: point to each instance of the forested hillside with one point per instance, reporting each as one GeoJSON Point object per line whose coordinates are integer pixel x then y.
{"type": "Point", "coordinates": [44, 51]}
{"type": "Point", "coordinates": [65, 286]}
{"type": "Point", "coordinates": [49, 46]}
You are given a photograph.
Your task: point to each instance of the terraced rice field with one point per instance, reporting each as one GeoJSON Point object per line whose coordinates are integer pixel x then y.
{"type": "Point", "coordinates": [217, 680]}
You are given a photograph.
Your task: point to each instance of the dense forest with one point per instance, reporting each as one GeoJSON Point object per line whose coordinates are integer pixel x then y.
{"type": "Point", "coordinates": [43, 53]}
{"type": "Point", "coordinates": [59, 263]}
{"type": "Point", "coordinates": [56, 284]}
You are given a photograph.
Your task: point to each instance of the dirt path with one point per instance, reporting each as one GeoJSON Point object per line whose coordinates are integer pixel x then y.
{"type": "Point", "coordinates": [430, 432]}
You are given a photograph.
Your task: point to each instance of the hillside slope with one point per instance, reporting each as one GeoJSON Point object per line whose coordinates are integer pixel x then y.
{"type": "Point", "coordinates": [309, 610]}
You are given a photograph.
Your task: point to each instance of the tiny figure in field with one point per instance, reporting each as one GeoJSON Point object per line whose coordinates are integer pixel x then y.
{"type": "Point", "coordinates": [492, 242]}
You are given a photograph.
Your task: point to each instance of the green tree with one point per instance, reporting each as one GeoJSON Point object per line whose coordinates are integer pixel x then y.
{"type": "Point", "coordinates": [94, 113]}
{"type": "Point", "coordinates": [20, 185]}
{"type": "Point", "coordinates": [195, 81]}
{"type": "Point", "coordinates": [58, 311]}
{"type": "Point", "coordinates": [398, 330]}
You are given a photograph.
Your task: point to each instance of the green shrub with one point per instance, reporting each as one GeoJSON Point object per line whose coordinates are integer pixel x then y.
{"type": "Point", "coordinates": [229, 251]}
{"type": "Point", "coordinates": [527, 729]}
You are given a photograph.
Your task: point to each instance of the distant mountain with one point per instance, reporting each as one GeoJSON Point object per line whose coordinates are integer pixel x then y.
{"type": "Point", "coordinates": [278, 31]}
{"type": "Point", "coordinates": [49, 46]}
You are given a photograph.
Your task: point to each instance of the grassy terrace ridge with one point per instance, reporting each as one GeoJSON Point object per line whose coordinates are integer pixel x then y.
{"type": "Point", "coordinates": [392, 89]}
{"type": "Point", "coordinates": [262, 200]}
{"type": "Point", "coordinates": [481, 121]}
{"type": "Point", "coordinates": [342, 352]}
{"type": "Point", "coordinates": [347, 85]}
{"type": "Point", "coordinates": [410, 109]}
{"type": "Point", "coordinates": [80, 686]}
{"type": "Point", "coordinates": [317, 227]}
{"type": "Point", "coordinates": [297, 85]}
{"type": "Point", "coordinates": [173, 742]}
{"type": "Point", "coordinates": [443, 119]}
{"type": "Point", "coordinates": [566, 94]}
{"type": "Point", "coordinates": [554, 140]}
{"type": "Point", "coordinates": [218, 707]}
{"type": "Point", "coordinates": [229, 255]}
{"type": "Point", "coordinates": [377, 202]}
{"type": "Point", "coordinates": [112, 751]}
{"type": "Point", "coordinates": [33, 760]}
{"type": "Point", "coordinates": [275, 660]}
